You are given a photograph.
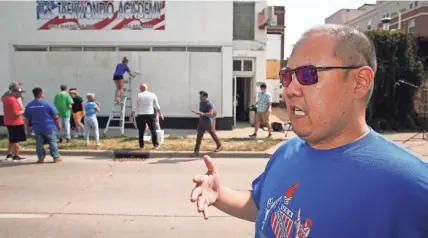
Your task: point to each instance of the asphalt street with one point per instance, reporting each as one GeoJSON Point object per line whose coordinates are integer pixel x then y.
{"type": "Point", "coordinates": [98, 197]}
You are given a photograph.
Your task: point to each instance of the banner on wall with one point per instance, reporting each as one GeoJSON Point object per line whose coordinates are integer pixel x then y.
{"type": "Point", "coordinates": [100, 15]}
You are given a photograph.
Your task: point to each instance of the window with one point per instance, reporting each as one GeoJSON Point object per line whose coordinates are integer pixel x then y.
{"type": "Point", "coordinates": [135, 49]}
{"type": "Point", "coordinates": [244, 17]}
{"type": "Point", "coordinates": [237, 65]}
{"type": "Point", "coordinates": [411, 5]}
{"type": "Point", "coordinates": [248, 65]}
{"type": "Point", "coordinates": [204, 49]}
{"type": "Point", "coordinates": [174, 48]}
{"type": "Point", "coordinates": [30, 48]}
{"type": "Point", "coordinates": [95, 48]}
{"type": "Point", "coordinates": [411, 26]}
{"type": "Point", "coordinates": [402, 10]}
{"type": "Point", "coordinates": [416, 3]}
{"type": "Point", "coordinates": [65, 48]}
{"type": "Point", "coordinates": [243, 65]}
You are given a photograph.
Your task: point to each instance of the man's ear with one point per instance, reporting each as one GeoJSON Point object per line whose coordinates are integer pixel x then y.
{"type": "Point", "coordinates": [364, 80]}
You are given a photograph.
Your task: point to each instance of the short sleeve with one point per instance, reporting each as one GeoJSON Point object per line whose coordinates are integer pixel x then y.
{"type": "Point", "coordinates": [127, 68]}
{"type": "Point", "coordinates": [52, 109]}
{"type": "Point", "coordinates": [258, 183]}
{"type": "Point", "coordinates": [26, 112]}
{"type": "Point", "coordinates": [210, 106]}
{"type": "Point", "coordinates": [257, 186]}
{"type": "Point", "coordinates": [269, 98]}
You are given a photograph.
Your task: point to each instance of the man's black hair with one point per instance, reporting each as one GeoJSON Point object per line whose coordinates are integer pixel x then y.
{"type": "Point", "coordinates": [263, 86]}
{"type": "Point", "coordinates": [37, 92]}
{"type": "Point", "coordinates": [203, 93]}
{"type": "Point", "coordinates": [63, 87]}
{"type": "Point", "coordinates": [71, 89]}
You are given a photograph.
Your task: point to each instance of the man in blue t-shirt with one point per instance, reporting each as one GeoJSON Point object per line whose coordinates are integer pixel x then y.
{"type": "Point", "coordinates": [206, 117]}
{"type": "Point", "coordinates": [42, 118]}
{"type": "Point", "coordinates": [338, 178]}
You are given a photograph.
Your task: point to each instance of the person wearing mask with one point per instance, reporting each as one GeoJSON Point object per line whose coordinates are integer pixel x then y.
{"type": "Point", "coordinates": [14, 122]}
{"type": "Point", "coordinates": [63, 103]}
{"type": "Point", "coordinates": [143, 107]}
{"type": "Point", "coordinates": [91, 109]}
{"type": "Point", "coordinates": [78, 112]}
{"type": "Point", "coordinates": [264, 108]}
{"type": "Point", "coordinates": [206, 115]}
{"type": "Point", "coordinates": [337, 177]}
{"type": "Point", "coordinates": [118, 79]}
{"type": "Point", "coordinates": [42, 118]}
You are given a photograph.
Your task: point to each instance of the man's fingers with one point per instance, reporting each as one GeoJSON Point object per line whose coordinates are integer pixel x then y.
{"type": "Point", "coordinates": [201, 204]}
{"type": "Point", "coordinates": [209, 164]}
{"type": "Point", "coordinates": [196, 192]}
{"type": "Point", "coordinates": [198, 178]}
{"type": "Point", "coordinates": [205, 211]}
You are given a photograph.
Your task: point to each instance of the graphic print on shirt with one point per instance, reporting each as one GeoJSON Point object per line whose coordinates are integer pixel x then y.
{"type": "Point", "coordinates": [283, 218]}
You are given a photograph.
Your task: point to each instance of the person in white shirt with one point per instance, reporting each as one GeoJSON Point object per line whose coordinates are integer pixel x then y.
{"type": "Point", "coordinates": [142, 108]}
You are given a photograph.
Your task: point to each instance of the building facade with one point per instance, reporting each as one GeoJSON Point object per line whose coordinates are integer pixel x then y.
{"type": "Point", "coordinates": [409, 16]}
{"type": "Point", "coordinates": [179, 47]}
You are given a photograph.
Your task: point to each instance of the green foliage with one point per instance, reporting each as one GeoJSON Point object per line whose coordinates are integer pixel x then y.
{"type": "Point", "coordinates": [391, 106]}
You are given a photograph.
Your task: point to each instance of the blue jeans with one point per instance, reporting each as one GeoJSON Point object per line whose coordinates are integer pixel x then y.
{"type": "Point", "coordinates": [49, 138]}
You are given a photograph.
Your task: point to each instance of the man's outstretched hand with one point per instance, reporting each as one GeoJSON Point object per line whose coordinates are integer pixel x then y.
{"type": "Point", "coordinates": [206, 191]}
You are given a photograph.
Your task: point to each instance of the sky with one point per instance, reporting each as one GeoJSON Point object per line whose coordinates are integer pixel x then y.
{"type": "Point", "coordinates": [301, 15]}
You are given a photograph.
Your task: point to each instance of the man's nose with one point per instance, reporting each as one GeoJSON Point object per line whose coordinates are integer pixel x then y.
{"type": "Point", "coordinates": [294, 88]}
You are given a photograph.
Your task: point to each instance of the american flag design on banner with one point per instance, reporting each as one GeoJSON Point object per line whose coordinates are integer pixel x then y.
{"type": "Point", "coordinates": [100, 15]}
{"type": "Point", "coordinates": [284, 220]}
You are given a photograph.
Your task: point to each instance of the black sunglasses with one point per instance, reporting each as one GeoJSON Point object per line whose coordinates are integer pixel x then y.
{"type": "Point", "coordinates": [306, 74]}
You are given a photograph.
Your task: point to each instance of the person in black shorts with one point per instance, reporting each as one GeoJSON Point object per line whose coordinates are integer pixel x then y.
{"type": "Point", "coordinates": [78, 112]}
{"type": "Point", "coordinates": [14, 122]}
{"type": "Point", "coordinates": [120, 70]}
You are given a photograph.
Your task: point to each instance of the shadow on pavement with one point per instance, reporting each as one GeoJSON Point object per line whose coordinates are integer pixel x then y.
{"type": "Point", "coordinates": [173, 161]}
{"type": "Point", "coordinates": [7, 164]}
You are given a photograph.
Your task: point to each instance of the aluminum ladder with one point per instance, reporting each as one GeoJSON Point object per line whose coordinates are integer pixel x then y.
{"type": "Point", "coordinates": [121, 110]}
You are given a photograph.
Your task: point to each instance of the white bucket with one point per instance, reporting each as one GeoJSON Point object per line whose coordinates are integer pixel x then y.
{"type": "Point", "coordinates": [160, 134]}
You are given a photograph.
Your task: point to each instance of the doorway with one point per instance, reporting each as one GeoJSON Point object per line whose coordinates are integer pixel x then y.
{"type": "Point", "coordinates": [242, 95]}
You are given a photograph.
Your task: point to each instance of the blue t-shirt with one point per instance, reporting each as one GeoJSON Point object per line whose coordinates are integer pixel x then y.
{"type": "Point", "coordinates": [90, 109]}
{"type": "Point", "coordinates": [121, 69]}
{"type": "Point", "coordinates": [206, 106]}
{"type": "Point", "coordinates": [41, 113]}
{"type": "Point", "coordinates": [371, 188]}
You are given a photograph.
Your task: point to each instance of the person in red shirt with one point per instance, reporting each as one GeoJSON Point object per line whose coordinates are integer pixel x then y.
{"type": "Point", "coordinates": [14, 122]}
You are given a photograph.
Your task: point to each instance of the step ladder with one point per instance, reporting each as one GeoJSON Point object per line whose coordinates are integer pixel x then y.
{"type": "Point", "coordinates": [121, 111]}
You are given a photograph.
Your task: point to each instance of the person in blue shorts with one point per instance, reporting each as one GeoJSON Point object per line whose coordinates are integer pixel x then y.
{"type": "Point", "coordinates": [118, 79]}
{"type": "Point", "coordinates": [338, 178]}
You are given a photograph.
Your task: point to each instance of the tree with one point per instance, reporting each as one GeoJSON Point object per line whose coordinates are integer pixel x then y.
{"type": "Point", "coordinates": [392, 106]}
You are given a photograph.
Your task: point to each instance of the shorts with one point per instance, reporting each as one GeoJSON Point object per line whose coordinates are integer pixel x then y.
{"type": "Point", "coordinates": [79, 114]}
{"type": "Point", "coordinates": [264, 117]}
{"type": "Point", "coordinates": [118, 77]}
{"type": "Point", "coordinates": [16, 133]}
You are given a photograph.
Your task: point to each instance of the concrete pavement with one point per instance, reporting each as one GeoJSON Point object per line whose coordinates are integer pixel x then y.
{"type": "Point", "coordinates": [92, 197]}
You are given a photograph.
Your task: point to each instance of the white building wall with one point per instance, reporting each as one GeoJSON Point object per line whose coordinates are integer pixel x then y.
{"type": "Point", "coordinates": [254, 50]}
{"type": "Point", "coordinates": [273, 47]}
{"type": "Point", "coordinates": [176, 77]}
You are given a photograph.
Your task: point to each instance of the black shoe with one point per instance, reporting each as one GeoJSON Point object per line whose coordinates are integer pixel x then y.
{"type": "Point", "coordinates": [9, 156]}
{"type": "Point", "coordinates": [253, 135]}
{"type": "Point", "coordinates": [17, 158]}
{"type": "Point", "coordinates": [67, 140]}
{"type": "Point", "coordinates": [60, 140]}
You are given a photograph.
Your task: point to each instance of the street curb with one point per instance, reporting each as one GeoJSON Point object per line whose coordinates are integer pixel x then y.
{"type": "Point", "coordinates": [106, 153]}
{"type": "Point", "coordinates": [152, 154]}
